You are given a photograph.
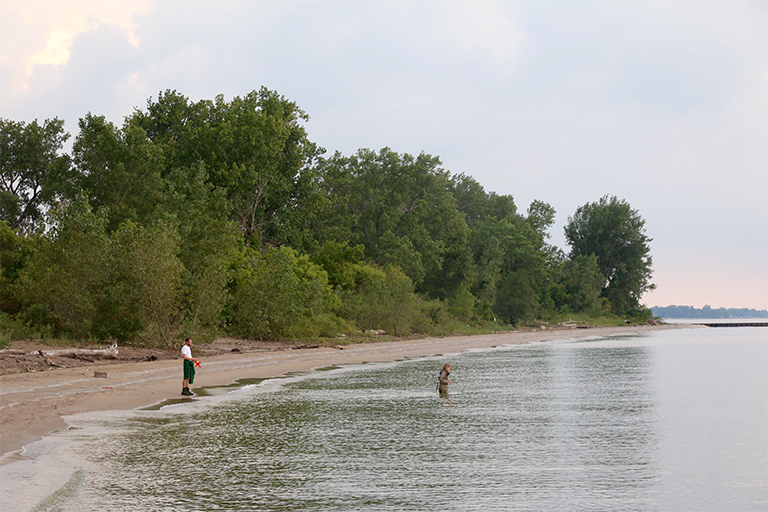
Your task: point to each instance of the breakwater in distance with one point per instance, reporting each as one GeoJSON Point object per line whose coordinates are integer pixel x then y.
{"type": "Point", "coordinates": [733, 324]}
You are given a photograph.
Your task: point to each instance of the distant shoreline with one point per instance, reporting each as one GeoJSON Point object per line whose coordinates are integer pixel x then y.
{"type": "Point", "coordinates": [707, 312]}
{"type": "Point", "coordinates": [34, 404]}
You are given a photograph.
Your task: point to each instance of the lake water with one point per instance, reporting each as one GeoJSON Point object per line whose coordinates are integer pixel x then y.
{"type": "Point", "coordinates": [665, 421]}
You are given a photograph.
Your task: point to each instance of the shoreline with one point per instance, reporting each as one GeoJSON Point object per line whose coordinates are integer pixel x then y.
{"type": "Point", "coordinates": [34, 404]}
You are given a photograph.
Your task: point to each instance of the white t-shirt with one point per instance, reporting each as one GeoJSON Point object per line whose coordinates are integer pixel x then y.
{"type": "Point", "coordinates": [186, 350]}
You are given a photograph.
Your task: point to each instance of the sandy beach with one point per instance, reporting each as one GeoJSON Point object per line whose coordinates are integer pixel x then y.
{"type": "Point", "coordinates": [34, 404]}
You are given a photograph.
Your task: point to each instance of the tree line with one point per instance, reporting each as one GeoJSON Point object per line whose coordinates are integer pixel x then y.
{"type": "Point", "coordinates": [707, 312]}
{"type": "Point", "coordinates": [223, 216]}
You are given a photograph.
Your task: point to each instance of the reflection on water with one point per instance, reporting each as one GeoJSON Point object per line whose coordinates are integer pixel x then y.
{"type": "Point", "coordinates": [582, 425]}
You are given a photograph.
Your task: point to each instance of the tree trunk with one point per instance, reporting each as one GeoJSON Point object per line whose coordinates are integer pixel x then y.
{"type": "Point", "coordinates": [107, 353]}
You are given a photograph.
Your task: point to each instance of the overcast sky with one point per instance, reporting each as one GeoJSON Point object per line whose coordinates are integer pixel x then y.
{"type": "Point", "coordinates": [663, 104]}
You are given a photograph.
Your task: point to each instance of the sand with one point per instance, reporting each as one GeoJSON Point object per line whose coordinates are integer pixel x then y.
{"type": "Point", "coordinates": [32, 404]}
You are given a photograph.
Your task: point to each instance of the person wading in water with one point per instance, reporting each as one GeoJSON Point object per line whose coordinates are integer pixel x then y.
{"type": "Point", "coordinates": [442, 383]}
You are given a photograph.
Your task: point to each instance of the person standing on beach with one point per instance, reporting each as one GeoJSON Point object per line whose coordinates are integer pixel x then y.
{"type": "Point", "coordinates": [189, 367]}
{"type": "Point", "coordinates": [442, 382]}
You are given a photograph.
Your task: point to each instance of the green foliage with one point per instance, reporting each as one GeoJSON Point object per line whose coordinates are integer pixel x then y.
{"type": "Point", "coordinates": [383, 300]}
{"type": "Point", "coordinates": [326, 325]}
{"type": "Point", "coordinates": [210, 243]}
{"type": "Point", "coordinates": [471, 199]}
{"type": "Point", "coordinates": [399, 208]}
{"type": "Point", "coordinates": [341, 262]}
{"type": "Point", "coordinates": [639, 315]}
{"type": "Point", "coordinates": [119, 169]}
{"type": "Point", "coordinates": [254, 148]}
{"type": "Point", "coordinates": [509, 253]}
{"type": "Point", "coordinates": [14, 328]}
{"type": "Point", "coordinates": [149, 273]}
{"type": "Point", "coordinates": [29, 161]}
{"type": "Point", "coordinates": [68, 270]}
{"type": "Point", "coordinates": [193, 217]}
{"type": "Point", "coordinates": [615, 233]}
{"type": "Point", "coordinates": [277, 295]}
{"type": "Point", "coordinates": [511, 265]}
{"type": "Point", "coordinates": [463, 304]}
{"type": "Point", "coordinates": [583, 283]}
{"type": "Point", "coordinates": [516, 300]}
{"type": "Point", "coordinates": [541, 217]}
{"type": "Point", "coordinates": [13, 254]}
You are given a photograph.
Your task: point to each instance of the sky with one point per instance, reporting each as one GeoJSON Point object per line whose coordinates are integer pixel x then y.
{"type": "Point", "coordinates": [662, 104]}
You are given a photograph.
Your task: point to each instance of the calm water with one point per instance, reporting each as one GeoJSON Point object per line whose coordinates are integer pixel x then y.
{"type": "Point", "coordinates": [667, 421]}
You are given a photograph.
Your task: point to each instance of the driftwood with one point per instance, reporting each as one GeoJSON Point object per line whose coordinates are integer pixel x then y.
{"type": "Point", "coordinates": [50, 362]}
{"type": "Point", "coordinates": [107, 353]}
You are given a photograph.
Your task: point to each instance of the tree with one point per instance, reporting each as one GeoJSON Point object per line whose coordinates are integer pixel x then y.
{"type": "Point", "coordinates": [583, 282]}
{"type": "Point", "coordinates": [277, 293]}
{"type": "Point", "coordinates": [399, 207]}
{"type": "Point", "coordinates": [384, 299]}
{"type": "Point", "coordinates": [471, 198]}
{"type": "Point", "coordinates": [510, 269]}
{"type": "Point", "coordinates": [341, 262]}
{"type": "Point", "coordinates": [615, 233]}
{"type": "Point", "coordinates": [29, 157]}
{"type": "Point", "coordinates": [516, 298]}
{"type": "Point", "coordinates": [119, 169]}
{"type": "Point", "coordinates": [67, 273]}
{"type": "Point", "coordinates": [13, 255]}
{"type": "Point", "coordinates": [210, 242]}
{"type": "Point", "coordinates": [146, 261]}
{"type": "Point", "coordinates": [541, 216]}
{"type": "Point", "coordinates": [255, 148]}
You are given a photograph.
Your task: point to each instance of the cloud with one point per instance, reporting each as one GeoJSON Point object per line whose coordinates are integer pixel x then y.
{"type": "Point", "coordinates": [663, 104]}
{"type": "Point", "coordinates": [51, 28]}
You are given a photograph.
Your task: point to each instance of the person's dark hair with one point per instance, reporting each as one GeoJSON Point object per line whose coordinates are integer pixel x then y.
{"type": "Point", "coordinates": [187, 339]}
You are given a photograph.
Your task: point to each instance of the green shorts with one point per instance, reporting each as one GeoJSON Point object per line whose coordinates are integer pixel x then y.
{"type": "Point", "coordinates": [189, 370]}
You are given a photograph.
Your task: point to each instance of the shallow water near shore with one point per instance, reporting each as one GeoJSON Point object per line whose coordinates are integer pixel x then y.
{"type": "Point", "coordinates": [667, 420]}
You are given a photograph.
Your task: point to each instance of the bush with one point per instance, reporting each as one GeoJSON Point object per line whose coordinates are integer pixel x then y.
{"type": "Point", "coordinates": [325, 326]}
{"type": "Point", "coordinates": [277, 295]}
{"type": "Point", "coordinates": [639, 315]}
{"type": "Point", "coordinates": [385, 302]}
{"type": "Point", "coordinates": [12, 328]}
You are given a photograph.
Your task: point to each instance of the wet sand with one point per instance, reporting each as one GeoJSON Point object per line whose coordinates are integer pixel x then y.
{"type": "Point", "coordinates": [32, 404]}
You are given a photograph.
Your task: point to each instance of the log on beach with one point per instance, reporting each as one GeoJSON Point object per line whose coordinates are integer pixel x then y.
{"type": "Point", "coordinates": [106, 353]}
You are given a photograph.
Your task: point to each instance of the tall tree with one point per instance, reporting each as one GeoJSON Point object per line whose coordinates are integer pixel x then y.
{"type": "Point", "coordinates": [210, 241]}
{"type": "Point", "coordinates": [541, 217]}
{"type": "Point", "coordinates": [511, 261]}
{"type": "Point", "coordinates": [583, 282]}
{"type": "Point", "coordinates": [14, 250]}
{"type": "Point", "coordinates": [118, 169]}
{"type": "Point", "coordinates": [30, 155]}
{"type": "Point", "coordinates": [399, 207]}
{"type": "Point", "coordinates": [66, 276]}
{"type": "Point", "coordinates": [254, 147]}
{"type": "Point", "coordinates": [471, 199]}
{"type": "Point", "coordinates": [615, 233]}
{"type": "Point", "coordinates": [146, 260]}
